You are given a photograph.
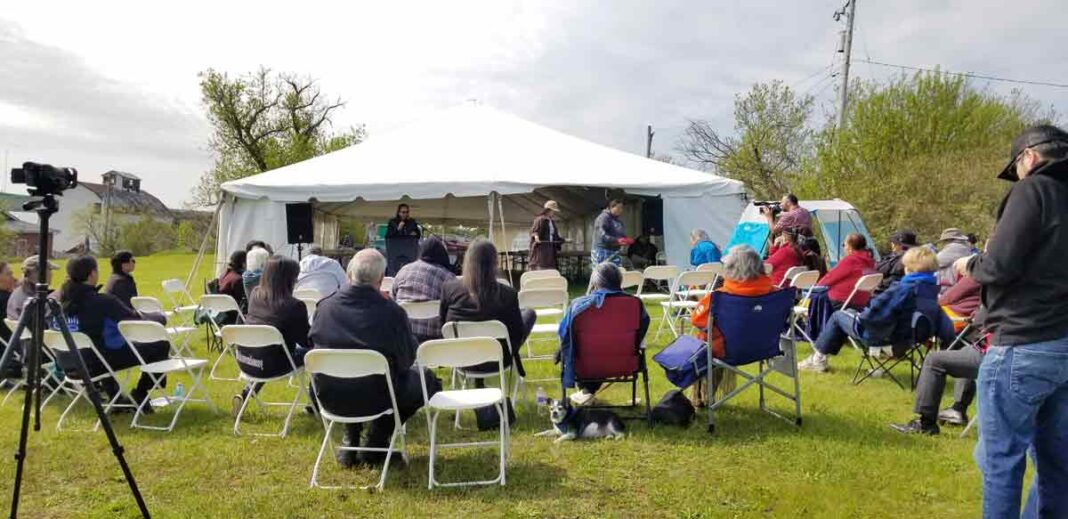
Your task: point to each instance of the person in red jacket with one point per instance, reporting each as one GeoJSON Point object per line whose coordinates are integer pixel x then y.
{"type": "Point", "coordinates": [784, 254]}
{"type": "Point", "coordinates": [843, 277]}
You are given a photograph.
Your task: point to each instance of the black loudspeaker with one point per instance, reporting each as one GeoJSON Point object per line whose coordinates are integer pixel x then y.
{"type": "Point", "coordinates": [298, 223]}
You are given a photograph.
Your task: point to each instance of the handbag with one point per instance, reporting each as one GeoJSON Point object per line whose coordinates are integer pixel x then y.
{"type": "Point", "coordinates": [488, 418]}
{"type": "Point", "coordinates": [684, 361]}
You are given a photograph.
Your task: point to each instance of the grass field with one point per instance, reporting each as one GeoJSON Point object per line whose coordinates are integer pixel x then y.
{"type": "Point", "coordinates": [843, 462]}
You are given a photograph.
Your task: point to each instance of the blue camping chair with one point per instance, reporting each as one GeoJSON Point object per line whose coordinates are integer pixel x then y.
{"type": "Point", "coordinates": [754, 329]}
{"type": "Point", "coordinates": [912, 352]}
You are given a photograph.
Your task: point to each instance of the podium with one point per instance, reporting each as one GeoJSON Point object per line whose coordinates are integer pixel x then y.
{"type": "Point", "coordinates": [400, 252]}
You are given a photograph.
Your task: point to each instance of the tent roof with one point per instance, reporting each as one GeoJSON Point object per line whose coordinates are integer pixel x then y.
{"type": "Point", "coordinates": [827, 205]}
{"type": "Point", "coordinates": [471, 151]}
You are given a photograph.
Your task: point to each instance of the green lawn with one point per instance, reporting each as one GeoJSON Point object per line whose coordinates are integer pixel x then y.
{"type": "Point", "coordinates": [844, 461]}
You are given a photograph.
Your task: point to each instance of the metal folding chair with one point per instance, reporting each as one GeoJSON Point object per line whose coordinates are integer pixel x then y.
{"type": "Point", "coordinates": [803, 282]}
{"type": "Point", "coordinates": [215, 305]}
{"type": "Point", "coordinates": [53, 375]}
{"type": "Point", "coordinates": [307, 293]}
{"type": "Point", "coordinates": [658, 274]}
{"type": "Point", "coordinates": [262, 336]}
{"type": "Point", "coordinates": [354, 364]}
{"type": "Point", "coordinates": [143, 332]}
{"type": "Point", "coordinates": [752, 330]}
{"type": "Point", "coordinates": [494, 329]}
{"type": "Point", "coordinates": [546, 302]}
{"type": "Point", "coordinates": [455, 354]}
{"type": "Point", "coordinates": [54, 341]}
{"type": "Point", "coordinates": [790, 274]}
{"type": "Point", "coordinates": [684, 290]}
{"type": "Point", "coordinates": [537, 274]}
{"type": "Point", "coordinates": [152, 305]}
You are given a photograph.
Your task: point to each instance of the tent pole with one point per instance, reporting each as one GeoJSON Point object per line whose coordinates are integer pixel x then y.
{"type": "Point", "coordinates": [509, 263]}
{"type": "Point", "coordinates": [204, 243]}
{"type": "Point", "coordinates": [489, 204]}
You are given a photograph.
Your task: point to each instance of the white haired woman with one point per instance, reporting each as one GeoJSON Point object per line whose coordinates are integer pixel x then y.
{"type": "Point", "coordinates": [743, 275]}
{"type": "Point", "coordinates": [702, 248]}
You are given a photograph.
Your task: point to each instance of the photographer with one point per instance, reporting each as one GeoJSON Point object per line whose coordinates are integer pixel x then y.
{"type": "Point", "coordinates": [793, 216]}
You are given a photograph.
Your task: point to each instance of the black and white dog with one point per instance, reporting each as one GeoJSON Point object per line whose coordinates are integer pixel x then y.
{"type": "Point", "coordinates": [571, 423]}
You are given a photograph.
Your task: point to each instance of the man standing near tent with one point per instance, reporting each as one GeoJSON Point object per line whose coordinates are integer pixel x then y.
{"type": "Point", "coordinates": [793, 216]}
{"type": "Point", "coordinates": [609, 235]}
{"type": "Point", "coordinates": [1023, 380]}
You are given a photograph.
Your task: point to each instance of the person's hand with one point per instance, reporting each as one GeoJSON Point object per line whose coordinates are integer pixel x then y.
{"type": "Point", "coordinates": [961, 266]}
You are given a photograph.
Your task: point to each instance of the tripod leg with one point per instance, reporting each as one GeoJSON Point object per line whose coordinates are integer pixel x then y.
{"type": "Point", "coordinates": [27, 403]}
{"type": "Point", "coordinates": [94, 397]}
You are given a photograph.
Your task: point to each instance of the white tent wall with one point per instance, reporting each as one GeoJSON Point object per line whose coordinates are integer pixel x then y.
{"type": "Point", "coordinates": [715, 214]}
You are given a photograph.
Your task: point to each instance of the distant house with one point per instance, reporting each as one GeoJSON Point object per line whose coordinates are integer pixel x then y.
{"type": "Point", "coordinates": [120, 193]}
{"type": "Point", "coordinates": [25, 233]}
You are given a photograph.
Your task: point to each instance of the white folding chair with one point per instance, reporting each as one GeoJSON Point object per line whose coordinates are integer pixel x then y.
{"type": "Point", "coordinates": [179, 298]}
{"type": "Point", "coordinates": [537, 274]}
{"type": "Point", "coordinates": [53, 375]}
{"type": "Point", "coordinates": [657, 274]}
{"type": "Point", "coordinates": [556, 282]}
{"type": "Point", "coordinates": [866, 284]}
{"type": "Point", "coordinates": [142, 332]}
{"type": "Point", "coordinates": [421, 309]}
{"type": "Point", "coordinates": [152, 305]}
{"type": "Point", "coordinates": [262, 336]}
{"type": "Point", "coordinates": [455, 354]}
{"type": "Point", "coordinates": [687, 285]}
{"type": "Point", "coordinates": [54, 341]}
{"type": "Point", "coordinates": [387, 285]}
{"type": "Point", "coordinates": [790, 273]}
{"type": "Point", "coordinates": [354, 364]}
{"type": "Point", "coordinates": [310, 304]}
{"type": "Point", "coordinates": [632, 278]}
{"type": "Point", "coordinates": [550, 302]}
{"type": "Point", "coordinates": [307, 293]}
{"type": "Point", "coordinates": [714, 266]}
{"type": "Point", "coordinates": [214, 305]}
{"type": "Point", "coordinates": [468, 329]}
{"type": "Point", "coordinates": [803, 282]}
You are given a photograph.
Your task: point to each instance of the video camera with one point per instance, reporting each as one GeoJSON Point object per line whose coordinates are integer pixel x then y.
{"type": "Point", "coordinates": [44, 179]}
{"type": "Point", "coordinates": [772, 207]}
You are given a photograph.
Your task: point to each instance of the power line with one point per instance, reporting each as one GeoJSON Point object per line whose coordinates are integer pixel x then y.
{"type": "Point", "coordinates": [967, 74]}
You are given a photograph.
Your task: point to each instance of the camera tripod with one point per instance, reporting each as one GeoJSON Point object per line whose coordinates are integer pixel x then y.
{"type": "Point", "coordinates": [37, 310]}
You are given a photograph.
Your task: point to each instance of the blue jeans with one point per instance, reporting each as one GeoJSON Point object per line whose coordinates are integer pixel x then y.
{"type": "Point", "coordinates": [601, 255]}
{"type": "Point", "coordinates": [1023, 403]}
{"type": "Point", "coordinates": [838, 328]}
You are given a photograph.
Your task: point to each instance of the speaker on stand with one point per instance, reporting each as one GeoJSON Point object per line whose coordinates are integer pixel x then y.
{"type": "Point", "coordinates": [299, 227]}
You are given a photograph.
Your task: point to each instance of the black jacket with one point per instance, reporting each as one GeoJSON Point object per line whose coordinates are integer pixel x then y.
{"type": "Point", "coordinates": [122, 286]}
{"type": "Point", "coordinates": [1024, 272]}
{"type": "Point", "coordinates": [359, 317]}
{"type": "Point", "coordinates": [98, 315]}
{"type": "Point", "coordinates": [410, 229]}
{"type": "Point", "coordinates": [892, 269]}
{"type": "Point", "coordinates": [458, 305]}
{"type": "Point", "coordinates": [290, 318]}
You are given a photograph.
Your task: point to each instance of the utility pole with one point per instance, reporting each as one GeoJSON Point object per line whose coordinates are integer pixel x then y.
{"type": "Point", "coordinates": [850, 11]}
{"type": "Point", "coordinates": [649, 141]}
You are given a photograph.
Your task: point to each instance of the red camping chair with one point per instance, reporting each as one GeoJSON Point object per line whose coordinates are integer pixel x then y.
{"type": "Point", "coordinates": [607, 346]}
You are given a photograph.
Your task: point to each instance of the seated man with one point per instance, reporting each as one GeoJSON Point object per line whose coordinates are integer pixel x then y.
{"type": "Point", "coordinates": [358, 317]}
{"type": "Point", "coordinates": [888, 319]}
{"type": "Point", "coordinates": [605, 281]}
{"type": "Point", "coordinates": [320, 272]}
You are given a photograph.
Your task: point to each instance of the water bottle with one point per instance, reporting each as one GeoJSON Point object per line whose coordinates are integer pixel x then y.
{"type": "Point", "coordinates": [179, 391]}
{"type": "Point", "coordinates": [542, 399]}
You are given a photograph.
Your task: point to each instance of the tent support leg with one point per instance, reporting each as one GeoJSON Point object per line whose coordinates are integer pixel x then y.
{"type": "Point", "coordinates": [204, 242]}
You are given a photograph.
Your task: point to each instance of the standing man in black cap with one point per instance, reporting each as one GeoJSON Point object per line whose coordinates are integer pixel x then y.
{"type": "Point", "coordinates": [1023, 381]}
{"type": "Point", "coordinates": [890, 265]}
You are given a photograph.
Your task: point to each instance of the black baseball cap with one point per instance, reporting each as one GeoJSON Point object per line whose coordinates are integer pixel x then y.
{"type": "Point", "coordinates": [1033, 136]}
{"type": "Point", "coordinates": [906, 238]}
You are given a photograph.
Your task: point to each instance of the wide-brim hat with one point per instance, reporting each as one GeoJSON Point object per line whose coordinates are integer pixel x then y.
{"type": "Point", "coordinates": [32, 262]}
{"type": "Point", "coordinates": [552, 206]}
{"type": "Point", "coordinates": [1033, 136]}
{"type": "Point", "coordinates": [953, 234]}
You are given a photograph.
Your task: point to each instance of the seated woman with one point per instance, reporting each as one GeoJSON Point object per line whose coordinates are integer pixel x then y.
{"type": "Point", "coordinates": [841, 280]}
{"type": "Point", "coordinates": [643, 253]}
{"type": "Point", "coordinates": [421, 280]}
{"type": "Point", "coordinates": [785, 254]}
{"type": "Point", "coordinates": [230, 282]}
{"type": "Point", "coordinates": [961, 301]}
{"type": "Point", "coordinates": [743, 275]}
{"type": "Point", "coordinates": [703, 250]}
{"type": "Point", "coordinates": [480, 297]}
{"type": "Point", "coordinates": [255, 259]}
{"type": "Point", "coordinates": [888, 320]}
{"type": "Point", "coordinates": [812, 255]}
{"type": "Point", "coordinates": [272, 303]}
{"type": "Point", "coordinates": [97, 315]}
{"type": "Point", "coordinates": [121, 284]}
{"type": "Point", "coordinates": [605, 282]}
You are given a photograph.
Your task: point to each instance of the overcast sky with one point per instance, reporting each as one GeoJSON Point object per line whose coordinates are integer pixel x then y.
{"type": "Point", "coordinates": [113, 85]}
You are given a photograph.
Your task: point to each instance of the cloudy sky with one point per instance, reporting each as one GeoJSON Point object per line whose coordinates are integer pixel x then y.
{"type": "Point", "coordinates": [113, 85]}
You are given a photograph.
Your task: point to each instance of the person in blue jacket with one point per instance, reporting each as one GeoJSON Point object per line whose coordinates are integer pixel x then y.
{"type": "Point", "coordinates": [702, 248]}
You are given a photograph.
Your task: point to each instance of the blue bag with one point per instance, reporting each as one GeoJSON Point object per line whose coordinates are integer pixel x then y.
{"type": "Point", "coordinates": [684, 361]}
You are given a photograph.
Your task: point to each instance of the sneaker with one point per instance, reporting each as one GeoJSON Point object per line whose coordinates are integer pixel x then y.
{"type": "Point", "coordinates": [581, 398]}
{"type": "Point", "coordinates": [813, 363]}
{"type": "Point", "coordinates": [916, 426]}
{"type": "Point", "coordinates": [952, 416]}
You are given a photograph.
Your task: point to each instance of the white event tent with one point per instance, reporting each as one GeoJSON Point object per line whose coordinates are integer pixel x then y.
{"type": "Point", "coordinates": [473, 165]}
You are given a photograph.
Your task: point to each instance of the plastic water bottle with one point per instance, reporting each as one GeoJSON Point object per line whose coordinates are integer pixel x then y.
{"type": "Point", "coordinates": [542, 399]}
{"type": "Point", "coordinates": [179, 391]}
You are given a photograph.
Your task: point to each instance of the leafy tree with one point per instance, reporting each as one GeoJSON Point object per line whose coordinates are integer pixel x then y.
{"type": "Point", "coordinates": [262, 121]}
{"type": "Point", "coordinates": [920, 153]}
{"type": "Point", "coordinates": [771, 140]}
{"type": "Point", "coordinates": [89, 223]}
{"type": "Point", "coordinates": [147, 235]}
